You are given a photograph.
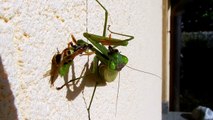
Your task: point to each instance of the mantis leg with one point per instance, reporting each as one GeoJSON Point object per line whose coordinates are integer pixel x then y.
{"type": "Point", "coordinates": [105, 24]}
{"type": "Point", "coordinates": [58, 88]}
{"type": "Point", "coordinates": [94, 70]}
{"type": "Point", "coordinates": [90, 103]}
{"type": "Point", "coordinates": [96, 39]}
{"type": "Point", "coordinates": [109, 40]}
{"type": "Point", "coordinates": [95, 65]}
{"type": "Point", "coordinates": [106, 18]}
{"type": "Point", "coordinates": [130, 36]}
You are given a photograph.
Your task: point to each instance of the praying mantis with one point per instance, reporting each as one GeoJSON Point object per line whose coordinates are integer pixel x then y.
{"type": "Point", "coordinates": [111, 61]}
{"type": "Point", "coordinates": [107, 63]}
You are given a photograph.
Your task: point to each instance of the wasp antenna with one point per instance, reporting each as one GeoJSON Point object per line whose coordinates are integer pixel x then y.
{"type": "Point", "coordinates": [73, 39]}
{"type": "Point", "coordinates": [57, 50]}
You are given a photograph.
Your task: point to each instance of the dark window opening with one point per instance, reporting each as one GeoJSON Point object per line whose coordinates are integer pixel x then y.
{"type": "Point", "coordinates": [191, 60]}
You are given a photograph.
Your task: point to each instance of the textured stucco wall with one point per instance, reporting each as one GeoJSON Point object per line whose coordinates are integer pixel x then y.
{"type": "Point", "coordinates": [32, 30]}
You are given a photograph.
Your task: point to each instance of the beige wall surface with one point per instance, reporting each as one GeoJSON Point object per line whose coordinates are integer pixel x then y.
{"type": "Point", "coordinates": [31, 31]}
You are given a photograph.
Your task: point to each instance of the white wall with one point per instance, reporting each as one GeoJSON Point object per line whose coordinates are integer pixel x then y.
{"type": "Point", "coordinates": [32, 30]}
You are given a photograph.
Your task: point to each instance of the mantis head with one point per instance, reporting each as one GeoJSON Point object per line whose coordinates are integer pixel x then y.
{"type": "Point", "coordinates": [117, 61]}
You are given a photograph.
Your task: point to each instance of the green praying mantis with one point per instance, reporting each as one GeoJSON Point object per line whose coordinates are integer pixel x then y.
{"type": "Point", "coordinates": [107, 63]}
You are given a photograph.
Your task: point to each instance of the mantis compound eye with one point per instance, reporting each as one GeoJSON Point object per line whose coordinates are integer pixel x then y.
{"type": "Point", "coordinates": [112, 65]}
{"type": "Point", "coordinates": [124, 59]}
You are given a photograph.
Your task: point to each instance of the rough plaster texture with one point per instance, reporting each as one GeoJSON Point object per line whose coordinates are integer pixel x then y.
{"type": "Point", "coordinates": [32, 30]}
